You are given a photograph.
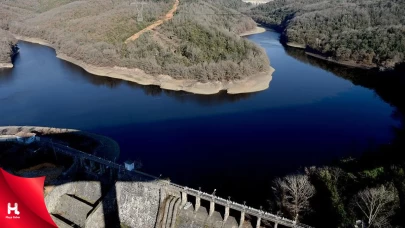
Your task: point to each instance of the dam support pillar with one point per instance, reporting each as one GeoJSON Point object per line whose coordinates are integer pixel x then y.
{"type": "Point", "coordinates": [111, 173]}
{"type": "Point", "coordinates": [81, 163]}
{"type": "Point", "coordinates": [226, 215]}
{"type": "Point", "coordinates": [212, 208]}
{"type": "Point", "coordinates": [197, 203]}
{"type": "Point", "coordinates": [102, 169]}
{"type": "Point", "coordinates": [183, 199]}
{"type": "Point", "coordinates": [92, 165]}
{"type": "Point", "coordinates": [54, 154]}
{"type": "Point", "coordinates": [242, 219]}
{"type": "Point", "coordinates": [258, 222]}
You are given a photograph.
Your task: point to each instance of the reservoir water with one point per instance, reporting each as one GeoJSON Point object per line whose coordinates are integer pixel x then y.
{"type": "Point", "coordinates": [236, 144]}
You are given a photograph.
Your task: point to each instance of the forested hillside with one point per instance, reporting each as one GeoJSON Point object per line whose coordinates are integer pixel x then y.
{"type": "Point", "coordinates": [200, 42]}
{"type": "Point", "coordinates": [360, 31]}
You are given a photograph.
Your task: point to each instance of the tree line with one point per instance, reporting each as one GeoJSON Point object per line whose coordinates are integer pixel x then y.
{"type": "Point", "coordinates": [338, 197]}
{"type": "Point", "coordinates": [359, 31]}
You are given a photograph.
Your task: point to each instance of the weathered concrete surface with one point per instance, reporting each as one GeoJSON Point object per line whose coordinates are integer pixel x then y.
{"type": "Point", "coordinates": [138, 205]}
{"type": "Point", "coordinates": [52, 198]}
{"type": "Point", "coordinates": [96, 219]}
{"type": "Point", "coordinates": [89, 191]}
{"type": "Point", "coordinates": [73, 210]}
{"type": "Point", "coordinates": [60, 223]}
{"type": "Point", "coordinates": [141, 204]}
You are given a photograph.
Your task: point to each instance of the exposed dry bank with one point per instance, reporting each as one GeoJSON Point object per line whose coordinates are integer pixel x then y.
{"type": "Point", "coordinates": [197, 51]}
{"type": "Point", "coordinates": [253, 83]}
{"type": "Point", "coordinates": [256, 30]}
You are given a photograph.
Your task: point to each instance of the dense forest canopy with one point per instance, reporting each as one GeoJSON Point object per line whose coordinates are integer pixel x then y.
{"type": "Point", "coordinates": [362, 31]}
{"type": "Point", "coordinates": [200, 42]}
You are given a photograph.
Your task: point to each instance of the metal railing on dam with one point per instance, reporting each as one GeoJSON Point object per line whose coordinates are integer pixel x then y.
{"type": "Point", "coordinates": [228, 204]}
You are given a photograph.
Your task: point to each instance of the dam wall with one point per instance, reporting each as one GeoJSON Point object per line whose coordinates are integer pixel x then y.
{"type": "Point", "coordinates": [96, 192]}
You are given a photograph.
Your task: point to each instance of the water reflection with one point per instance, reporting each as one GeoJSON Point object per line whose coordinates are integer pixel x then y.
{"type": "Point", "coordinates": [5, 76]}
{"type": "Point", "coordinates": [155, 91]}
{"type": "Point", "coordinates": [388, 85]}
{"type": "Point", "coordinates": [5, 73]}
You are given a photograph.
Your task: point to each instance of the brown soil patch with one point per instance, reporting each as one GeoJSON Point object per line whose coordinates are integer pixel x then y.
{"type": "Point", "coordinates": [167, 17]}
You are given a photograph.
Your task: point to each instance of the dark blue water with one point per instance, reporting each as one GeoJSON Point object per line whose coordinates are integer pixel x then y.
{"type": "Point", "coordinates": [234, 143]}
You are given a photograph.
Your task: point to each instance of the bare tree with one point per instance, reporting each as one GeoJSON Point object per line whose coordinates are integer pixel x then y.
{"type": "Point", "coordinates": [294, 192]}
{"type": "Point", "coordinates": [377, 204]}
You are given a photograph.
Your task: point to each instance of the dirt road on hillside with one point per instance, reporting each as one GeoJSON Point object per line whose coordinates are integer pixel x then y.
{"type": "Point", "coordinates": [167, 17]}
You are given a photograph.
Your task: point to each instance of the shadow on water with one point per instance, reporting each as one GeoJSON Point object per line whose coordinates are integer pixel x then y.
{"type": "Point", "coordinates": [389, 85]}
{"type": "Point", "coordinates": [155, 91]}
{"type": "Point", "coordinates": [76, 72]}
{"type": "Point", "coordinates": [5, 74]}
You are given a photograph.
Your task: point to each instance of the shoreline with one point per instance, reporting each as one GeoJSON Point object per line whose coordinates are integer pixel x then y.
{"type": "Point", "coordinates": [295, 45]}
{"type": "Point", "coordinates": [345, 63]}
{"type": "Point", "coordinates": [6, 66]}
{"type": "Point", "coordinates": [257, 30]}
{"type": "Point", "coordinates": [328, 59]}
{"type": "Point", "coordinates": [253, 83]}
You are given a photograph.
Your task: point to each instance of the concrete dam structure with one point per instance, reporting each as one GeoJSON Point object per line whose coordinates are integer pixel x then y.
{"type": "Point", "coordinates": [96, 192]}
{"type": "Point", "coordinates": [142, 200]}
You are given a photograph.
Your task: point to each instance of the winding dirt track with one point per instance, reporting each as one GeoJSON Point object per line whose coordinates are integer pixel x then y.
{"type": "Point", "coordinates": [167, 17]}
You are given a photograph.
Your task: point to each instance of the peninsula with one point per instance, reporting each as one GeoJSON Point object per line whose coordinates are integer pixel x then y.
{"type": "Point", "coordinates": [364, 34]}
{"type": "Point", "coordinates": [186, 45]}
